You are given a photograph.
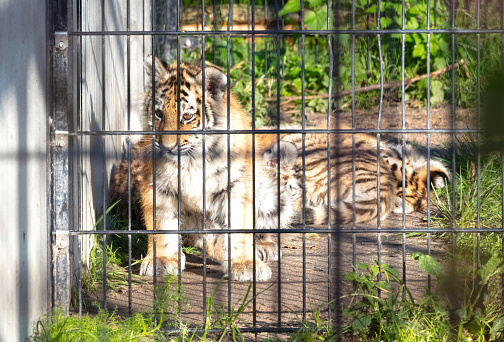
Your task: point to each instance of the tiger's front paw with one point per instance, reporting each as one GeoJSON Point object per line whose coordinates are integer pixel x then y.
{"type": "Point", "coordinates": [164, 265]}
{"type": "Point", "coordinates": [267, 250]}
{"type": "Point", "coordinates": [243, 270]}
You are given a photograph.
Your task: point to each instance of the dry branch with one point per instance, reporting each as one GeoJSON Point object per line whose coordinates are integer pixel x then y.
{"type": "Point", "coordinates": [407, 83]}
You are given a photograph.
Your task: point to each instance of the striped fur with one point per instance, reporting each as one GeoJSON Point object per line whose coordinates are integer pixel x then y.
{"type": "Point", "coordinates": [204, 204]}
{"type": "Point", "coordinates": [357, 200]}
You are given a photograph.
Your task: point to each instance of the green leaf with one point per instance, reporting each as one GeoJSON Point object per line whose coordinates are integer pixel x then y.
{"type": "Point", "coordinates": [318, 21]}
{"type": "Point", "coordinates": [411, 24]}
{"type": "Point", "coordinates": [419, 51]}
{"type": "Point", "coordinates": [416, 255]}
{"type": "Point", "coordinates": [491, 267]}
{"type": "Point", "coordinates": [430, 266]}
{"type": "Point", "coordinates": [383, 285]}
{"type": "Point", "coordinates": [385, 22]}
{"type": "Point", "coordinates": [351, 276]}
{"type": "Point", "coordinates": [371, 9]}
{"type": "Point", "coordinates": [361, 266]}
{"type": "Point", "coordinates": [290, 6]}
{"type": "Point", "coordinates": [375, 269]}
{"type": "Point", "coordinates": [361, 322]}
{"type": "Point", "coordinates": [392, 271]}
{"type": "Point", "coordinates": [439, 63]}
{"type": "Point", "coordinates": [309, 17]}
{"type": "Point", "coordinates": [315, 3]}
{"type": "Point", "coordinates": [497, 328]}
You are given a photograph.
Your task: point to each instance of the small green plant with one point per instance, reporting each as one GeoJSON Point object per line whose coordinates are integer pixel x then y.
{"type": "Point", "coordinates": [370, 313]}
{"type": "Point", "coordinates": [116, 275]}
{"type": "Point", "coordinates": [315, 328]}
{"type": "Point", "coordinates": [376, 311]}
{"type": "Point", "coordinates": [105, 326]}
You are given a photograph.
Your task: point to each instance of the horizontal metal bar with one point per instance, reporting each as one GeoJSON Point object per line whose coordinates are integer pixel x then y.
{"type": "Point", "coordinates": [285, 32]}
{"type": "Point", "coordinates": [285, 131]}
{"type": "Point", "coordinates": [242, 330]}
{"type": "Point", "coordinates": [348, 230]}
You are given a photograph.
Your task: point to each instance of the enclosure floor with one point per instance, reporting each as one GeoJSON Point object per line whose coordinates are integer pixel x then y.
{"type": "Point", "coordinates": [299, 284]}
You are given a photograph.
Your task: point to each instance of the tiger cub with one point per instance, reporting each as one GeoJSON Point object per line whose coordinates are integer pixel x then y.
{"type": "Point", "coordinates": [156, 182]}
{"type": "Point", "coordinates": [367, 157]}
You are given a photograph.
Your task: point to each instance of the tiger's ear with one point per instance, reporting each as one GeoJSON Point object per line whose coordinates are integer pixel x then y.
{"type": "Point", "coordinates": [288, 155]}
{"type": "Point", "coordinates": [160, 68]}
{"type": "Point", "coordinates": [215, 83]}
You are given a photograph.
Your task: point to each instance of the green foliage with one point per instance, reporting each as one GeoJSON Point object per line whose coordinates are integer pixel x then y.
{"type": "Point", "coordinates": [104, 326]}
{"type": "Point", "coordinates": [377, 313]}
{"type": "Point", "coordinates": [315, 329]}
{"type": "Point", "coordinates": [315, 15]}
{"type": "Point", "coordinates": [367, 64]}
{"type": "Point", "coordinates": [467, 198]}
{"type": "Point", "coordinates": [117, 276]}
{"type": "Point", "coordinates": [169, 298]}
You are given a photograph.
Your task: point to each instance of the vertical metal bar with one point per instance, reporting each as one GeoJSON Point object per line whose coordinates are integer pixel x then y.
{"type": "Point", "coordinates": [367, 38]}
{"type": "Point", "coordinates": [78, 111]}
{"type": "Point", "coordinates": [478, 166]}
{"type": "Point", "coordinates": [454, 234]}
{"type": "Point", "coordinates": [203, 107]}
{"type": "Point", "coordinates": [266, 39]}
{"type": "Point", "coordinates": [254, 284]}
{"type": "Point", "coordinates": [279, 235]}
{"type": "Point", "coordinates": [77, 52]}
{"type": "Point", "coordinates": [154, 218]}
{"type": "Point", "coordinates": [428, 138]}
{"type": "Point", "coordinates": [329, 236]}
{"type": "Point", "coordinates": [214, 27]}
{"type": "Point", "coordinates": [179, 260]}
{"type": "Point", "coordinates": [104, 151]}
{"type": "Point", "coordinates": [378, 216]}
{"type": "Point", "coordinates": [128, 105]}
{"type": "Point", "coordinates": [228, 119]}
{"type": "Point", "coordinates": [302, 47]}
{"type": "Point", "coordinates": [229, 192]}
{"type": "Point", "coordinates": [354, 236]}
{"type": "Point", "coordinates": [60, 147]}
{"type": "Point", "coordinates": [403, 115]}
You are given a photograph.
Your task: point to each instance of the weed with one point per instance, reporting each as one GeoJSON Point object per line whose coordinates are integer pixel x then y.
{"type": "Point", "coordinates": [117, 276]}
{"type": "Point", "coordinates": [104, 326]}
{"type": "Point", "coordinates": [478, 195]}
{"type": "Point", "coordinates": [376, 312]}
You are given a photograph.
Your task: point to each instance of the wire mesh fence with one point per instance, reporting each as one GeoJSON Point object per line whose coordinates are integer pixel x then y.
{"type": "Point", "coordinates": [382, 101]}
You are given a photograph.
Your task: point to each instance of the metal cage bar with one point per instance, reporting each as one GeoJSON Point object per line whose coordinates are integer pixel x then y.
{"type": "Point", "coordinates": [66, 135]}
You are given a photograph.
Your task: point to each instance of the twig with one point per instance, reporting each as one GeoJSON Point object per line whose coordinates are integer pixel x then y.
{"type": "Point", "coordinates": [407, 83]}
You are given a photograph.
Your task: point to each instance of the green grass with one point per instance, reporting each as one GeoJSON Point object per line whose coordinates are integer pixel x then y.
{"type": "Point", "coordinates": [463, 212]}
{"type": "Point", "coordinates": [385, 310]}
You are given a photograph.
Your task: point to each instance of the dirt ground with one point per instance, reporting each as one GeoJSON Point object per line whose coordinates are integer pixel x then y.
{"type": "Point", "coordinates": [310, 272]}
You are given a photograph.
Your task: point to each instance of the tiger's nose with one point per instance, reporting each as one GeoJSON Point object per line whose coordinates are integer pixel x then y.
{"type": "Point", "coordinates": [173, 148]}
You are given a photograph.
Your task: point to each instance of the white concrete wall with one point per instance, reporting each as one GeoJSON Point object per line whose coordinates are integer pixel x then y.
{"type": "Point", "coordinates": [23, 191]}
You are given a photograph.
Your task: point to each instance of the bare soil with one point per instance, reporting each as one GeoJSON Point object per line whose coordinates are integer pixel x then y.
{"type": "Point", "coordinates": [310, 272]}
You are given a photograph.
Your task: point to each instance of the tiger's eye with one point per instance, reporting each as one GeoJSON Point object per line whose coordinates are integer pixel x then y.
{"type": "Point", "coordinates": [159, 114]}
{"type": "Point", "coordinates": [187, 117]}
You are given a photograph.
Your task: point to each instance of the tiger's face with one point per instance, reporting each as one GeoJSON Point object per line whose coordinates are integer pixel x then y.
{"type": "Point", "coordinates": [176, 107]}
{"type": "Point", "coordinates": [417, 174]}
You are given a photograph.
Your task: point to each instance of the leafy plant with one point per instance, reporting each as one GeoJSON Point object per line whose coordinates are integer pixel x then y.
{"type": "Point", "coordinates": [369, 313]}
{"type": "Point", "coordinates": [104, 326]}
{"type": "Point", "coordinates": [474, 315]}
